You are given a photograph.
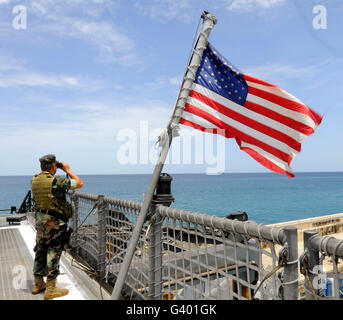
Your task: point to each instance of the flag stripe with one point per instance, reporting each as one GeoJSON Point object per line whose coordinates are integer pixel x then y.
{"type": "Point", "coordinates": [317, 116]}
{"type": "Point", "coordinates": [266, 144]}
{"type": "Point", "coordinates": [297, 116]}
{"type": "Point", "coordinates": [252, 79]}
{"type": "Point", "coordinates": [267, 157]}
{"type": "Point", "coordinates": [242, 123]}
{"type": "Point", "coordinates": [197, 119]}
{"type": "Point", "coordinates": [289, 122]}
{"type": "Point", "coordinates": [191, 124]}
{"type": "Point", "coordinates": [274, 90]}
{"type": "Point", "coordinates": [291, 105]}
{"type": "Point", "coordinates": [259, 158]}
{"type": "Point", "coordinates": [232, 109]}
{"type": "Point", "coordinates": [271, 88]}
{"type": "Point", "coordinates": [215, 130]}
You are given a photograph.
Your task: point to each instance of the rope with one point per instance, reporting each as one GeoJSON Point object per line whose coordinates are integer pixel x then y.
{"type": "Point", "coordinates": [305, 270]}
{"type": "Point", "coordinates": [283, 254]}
{"type": "Point", "coordinates": [145, 243]}
{"type": "Point", "coordinates": [246, 227]}
{"type": "Point", "coordinates": [307, 278]}
{"type": "Point", "coordinates": [188, 62]}
{"type": "Point", "coordinates": [279, 266]}
{"type": "Point", "coordinates": [195, 34]}
{"type": "Point", "coordinates": [93, 273]}
{"type": "Point", "coordinates": [90, 271]}
{"type": "Point", "coordinates": [259, 231]}
{"type": "Point", "coordinates": [289, 282]}
{"type": "Point", "coordinates": [89, 213]}
{"type": "Point", "coordinates": [292, 262]}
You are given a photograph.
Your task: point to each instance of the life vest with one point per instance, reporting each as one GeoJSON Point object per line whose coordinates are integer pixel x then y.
{"type": "Point", "coordinates": [43, 197]}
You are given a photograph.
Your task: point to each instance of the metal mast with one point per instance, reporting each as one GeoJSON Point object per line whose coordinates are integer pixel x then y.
{"type": "Point", "coordinates": [209, 20]}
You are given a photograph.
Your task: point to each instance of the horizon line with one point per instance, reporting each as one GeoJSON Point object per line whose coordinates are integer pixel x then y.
{"type": "Point", "coordinates": [203, 173]}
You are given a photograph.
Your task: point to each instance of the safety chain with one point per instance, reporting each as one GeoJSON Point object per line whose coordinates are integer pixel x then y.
{"type": "Point", "coordinates": [305, 270]}
{"type": "Point", "coordinates": [283, 258]}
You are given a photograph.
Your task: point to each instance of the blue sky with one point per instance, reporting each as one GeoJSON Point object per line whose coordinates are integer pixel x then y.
{"type": "Point", "coordinates": [85, 69]}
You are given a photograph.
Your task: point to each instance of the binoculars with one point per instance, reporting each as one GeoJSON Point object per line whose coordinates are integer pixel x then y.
{"type": "Point", "coordinates": [59, 165]}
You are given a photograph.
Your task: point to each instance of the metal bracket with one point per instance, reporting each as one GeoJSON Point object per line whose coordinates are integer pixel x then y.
{"type": "Point", "coordinates": [304, 262]}
{"type": "Point", "coordinates": [151, 217]}
{"type": "Point", "coordinates": [283, 255]}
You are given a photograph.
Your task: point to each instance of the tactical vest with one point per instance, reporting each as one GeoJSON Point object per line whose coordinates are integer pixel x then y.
{"type": "Point", "coordinates": [43, 197]}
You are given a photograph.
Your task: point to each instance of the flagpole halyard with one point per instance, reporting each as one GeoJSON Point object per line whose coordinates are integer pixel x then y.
{"type": "Point", "coordinates": [209, 20]}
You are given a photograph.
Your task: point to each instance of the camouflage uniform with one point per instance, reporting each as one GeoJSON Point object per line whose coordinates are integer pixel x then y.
{"type": "Point", "coordinates": [51, 231]}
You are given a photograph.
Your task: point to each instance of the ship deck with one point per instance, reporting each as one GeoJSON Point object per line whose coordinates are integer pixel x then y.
{"type": "Point", "coordinates": [16, 260]}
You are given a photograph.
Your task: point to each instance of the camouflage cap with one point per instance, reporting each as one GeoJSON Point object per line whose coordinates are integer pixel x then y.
{"type": "Point", "coordinates": [47, 159]}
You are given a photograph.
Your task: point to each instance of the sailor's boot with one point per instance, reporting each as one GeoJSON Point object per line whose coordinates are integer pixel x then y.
{"type": "Point", "coordinates": [39, 285]}
{"type": "Point", "coordinates": [52, 292]}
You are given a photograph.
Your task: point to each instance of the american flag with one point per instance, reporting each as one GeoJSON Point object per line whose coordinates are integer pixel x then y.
{"type": "Point", "coordinates": [267, 122]}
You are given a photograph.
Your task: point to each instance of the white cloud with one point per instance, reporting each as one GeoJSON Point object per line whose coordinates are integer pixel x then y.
{"type": "Point", "coordinates": [10, 63]}
{"type": "Point", "coordinates": [83, 118]}
{"type": "Point", "coordinates": [67, 7]}
{"type": "Point", "coordinates": [250, 5]}
{"type": "Point", "coordinates": [111, 43]}
{"type": "Point", "coordinates": [79, 131]}
{"type": "Point", "coordinates": [186, 10]}
{"type": "Point", "coordinates": [5, 1]}
{"type": "Point", "coordinates": [278, 69]}
{"type": "Point", "coordinates": [15, 73]}
{"type": "Point", "coordinates": [83, 20]}
{"type": "Point", "coordinates": [167, 9]}
{"type": "Point", "coordinates": [287, 71]}
{"type": "Point", "coordinates": [39, 79]}
{"type": "Point", "coordinates": [176, 81]}
{"type": "Point", "coordinates": [158, 83]}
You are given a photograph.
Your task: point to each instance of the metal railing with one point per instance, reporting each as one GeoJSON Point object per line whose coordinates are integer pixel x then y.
{"type": "Point", "coordinates": [188, 255]}
{"type": "Point", "coordinates": [322, 265]}
{"type": "Point", "coordinates": [182, 254]}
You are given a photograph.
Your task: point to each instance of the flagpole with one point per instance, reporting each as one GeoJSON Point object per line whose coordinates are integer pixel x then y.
{"type": "Point", "coordinates": [209, 20]}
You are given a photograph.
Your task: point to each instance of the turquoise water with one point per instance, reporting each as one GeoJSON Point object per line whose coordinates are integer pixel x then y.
{"type": "Point", "coordinates": [266, 197]}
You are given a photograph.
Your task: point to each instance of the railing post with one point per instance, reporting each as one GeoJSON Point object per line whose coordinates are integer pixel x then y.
{"type": "Point", "coordinates": [155, 255]}
{"type": "Point", "coordinates": [313, 260]}
{"type": "Point", "coordinates": [101, 235]}
{"type": "Point", "coordinates": [291, 289]}
{"type": "Point", "coordinates": [74, 221]}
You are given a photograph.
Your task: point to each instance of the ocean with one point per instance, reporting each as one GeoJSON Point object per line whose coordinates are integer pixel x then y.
{"type": "Point", "coordinates": [266, 197]}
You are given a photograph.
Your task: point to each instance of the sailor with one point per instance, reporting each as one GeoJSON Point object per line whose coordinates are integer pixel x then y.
{"type": "Point", "coordinates": [52, 212]}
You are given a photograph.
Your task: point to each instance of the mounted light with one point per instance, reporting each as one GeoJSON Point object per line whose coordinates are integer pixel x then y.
{"type": "Point", "coordinates": [163, 191]}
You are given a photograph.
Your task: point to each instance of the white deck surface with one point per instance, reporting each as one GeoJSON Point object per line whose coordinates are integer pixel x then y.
{"type": "Point", "coordinates": [64, 280]}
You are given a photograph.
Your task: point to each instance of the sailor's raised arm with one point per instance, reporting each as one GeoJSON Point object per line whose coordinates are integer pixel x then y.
{"type": "Point", "coordinates": [72, 175]}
